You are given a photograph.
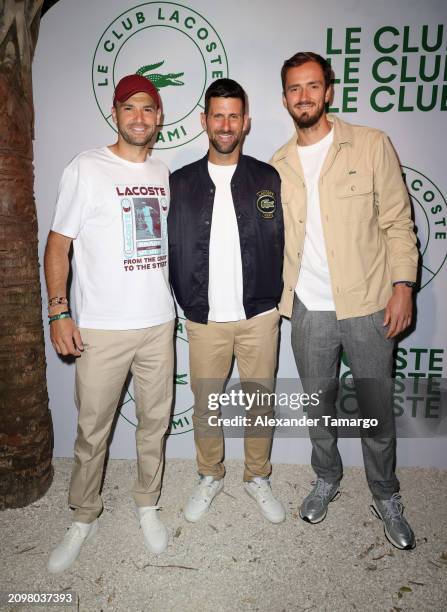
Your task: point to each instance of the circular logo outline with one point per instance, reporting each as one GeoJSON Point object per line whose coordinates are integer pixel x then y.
{"type": "Point", "coordinates": [416, 199]}
{"type": "Point", "coordinates": [266, 203]}
{"type": "Point", "coordinates": [223, 66]}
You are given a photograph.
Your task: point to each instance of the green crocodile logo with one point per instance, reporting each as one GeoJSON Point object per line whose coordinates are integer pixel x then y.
{"type": "Point", "coordinates": [180, 379]}
{"type": "Point", "coordinates": [160, 80]}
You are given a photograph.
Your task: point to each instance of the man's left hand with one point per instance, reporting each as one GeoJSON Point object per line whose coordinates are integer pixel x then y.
{"type": "Point", "coordinates": [399, 310]}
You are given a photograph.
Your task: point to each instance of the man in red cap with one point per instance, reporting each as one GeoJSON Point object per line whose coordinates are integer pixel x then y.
{"type": "Point", "coordinates": [124, 308]}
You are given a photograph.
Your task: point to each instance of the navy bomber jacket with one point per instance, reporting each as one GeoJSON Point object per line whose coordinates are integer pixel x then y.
{"type": "Point", "coordinates": [256, 191]}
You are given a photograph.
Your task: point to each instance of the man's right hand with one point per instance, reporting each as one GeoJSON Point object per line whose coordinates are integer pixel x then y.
{"type": "Point", "coordinates": [65, 337]}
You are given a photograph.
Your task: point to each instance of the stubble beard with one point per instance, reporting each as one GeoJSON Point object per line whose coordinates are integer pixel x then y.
{"type": "Point", "coordinates": [305, 120]}
{"type": "Point", "coordinates": [225, 148]}
{"type": "Point", "coordinates": [135, 141]}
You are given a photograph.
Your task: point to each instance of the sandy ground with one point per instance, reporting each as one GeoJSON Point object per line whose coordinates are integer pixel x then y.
{"type": "Point", "coordinates": [234, 559]}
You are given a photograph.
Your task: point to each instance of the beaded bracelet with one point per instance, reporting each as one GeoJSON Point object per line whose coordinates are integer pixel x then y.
{"type": "Point", "coordinates": [61, 315]}
{"type": "Point", "coordinates": [57, 301]}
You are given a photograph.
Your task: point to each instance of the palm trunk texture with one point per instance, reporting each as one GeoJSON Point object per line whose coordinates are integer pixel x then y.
{"type": "Point", "coordinates": [26, 431]}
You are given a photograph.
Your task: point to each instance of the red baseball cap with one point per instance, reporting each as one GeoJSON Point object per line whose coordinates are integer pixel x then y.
{"type": "Point", "coordinates": [132, 84]}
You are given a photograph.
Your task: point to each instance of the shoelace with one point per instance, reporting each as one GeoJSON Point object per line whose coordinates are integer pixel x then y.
{"type": "Point", "coordinates": [263, 484]}
{"type": "Point", "coordinates": [206, 487]}
{"type": "Point", "coordinates": [265, 491]}
{"type": "Point", "coordinates": [322, 488]}
{"type": "Point", "coordinates": [394, 507]}
{"type": "Point", "coordinates": [73, 534]}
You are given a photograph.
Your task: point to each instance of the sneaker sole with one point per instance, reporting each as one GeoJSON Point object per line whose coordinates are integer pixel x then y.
{"type": "Point", "coordinates": [387, 535]}
{"type": "Point", "coordinates": [263, 513]}
{"type": "Point", "coordinates": [196, 519]}
{"type": "Point", "coordinates": [319, 520]}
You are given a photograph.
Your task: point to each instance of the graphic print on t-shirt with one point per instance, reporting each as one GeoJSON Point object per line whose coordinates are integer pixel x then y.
{"type": "Point", "coordinates": [144, 227]}
{"type": "Point", "coordinates": [147, 220]}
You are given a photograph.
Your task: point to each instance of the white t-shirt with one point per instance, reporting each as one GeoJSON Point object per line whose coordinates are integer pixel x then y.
{"type": "Point", "coordinates": [225, 287]}
{"type": "Point", "coordinates": [314, 283]}
{"type": "Point", "coordinates": [116, 212]}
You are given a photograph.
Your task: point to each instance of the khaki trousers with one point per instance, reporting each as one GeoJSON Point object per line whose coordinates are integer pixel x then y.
{"type": "Point", "coordinates": [100, 375]}
{"type": "Point", "coordinates": [254, 343]}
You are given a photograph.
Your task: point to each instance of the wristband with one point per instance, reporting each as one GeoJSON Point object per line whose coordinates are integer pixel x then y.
{"type": "Point", "coordinates": [61, 315]}
{"type": "Point", "coordinates": [409, 284]}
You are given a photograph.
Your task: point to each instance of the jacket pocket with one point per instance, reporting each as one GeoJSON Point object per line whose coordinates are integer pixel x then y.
{"type": "Point", "coordinates": [355, 198]}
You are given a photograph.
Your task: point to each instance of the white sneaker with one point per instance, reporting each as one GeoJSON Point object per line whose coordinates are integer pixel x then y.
{"type": "Point", "coordinates": [201, 498]}
{"type": "Point", "coordinates": [66, 553]}
{"type": "Point", "coordinates": [155, 533]}
{"type": "Point", "coordinates": [271, 508]}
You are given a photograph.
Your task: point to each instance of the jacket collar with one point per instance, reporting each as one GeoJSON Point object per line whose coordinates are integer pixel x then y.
{"type": "Point", "coordinates": [203, 168]}
{"type": "Point", "coordinates": [342, 135]}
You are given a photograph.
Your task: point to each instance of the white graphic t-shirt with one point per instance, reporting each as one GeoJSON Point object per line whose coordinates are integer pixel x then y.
{"type": "Point", "coordinates": [225, 287]}
{"type": "Point", "coordinates": [314, 282]}
{"type": "Point", "coordinates": [116, 212]}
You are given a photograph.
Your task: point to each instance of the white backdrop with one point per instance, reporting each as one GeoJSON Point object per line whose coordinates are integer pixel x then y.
{"type": "Point", "coordinates": [392, 65]}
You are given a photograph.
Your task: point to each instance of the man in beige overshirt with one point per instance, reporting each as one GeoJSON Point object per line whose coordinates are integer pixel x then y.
{"type": "Point", "coordinates": [349, 272]}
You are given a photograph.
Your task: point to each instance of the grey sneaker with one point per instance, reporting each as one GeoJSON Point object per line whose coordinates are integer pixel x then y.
{"type": "Point", "coordinates": [314, 507]}
{"type": "Point", "coordinates": [396, 527]}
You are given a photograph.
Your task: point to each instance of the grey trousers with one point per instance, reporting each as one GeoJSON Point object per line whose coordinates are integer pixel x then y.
{"type": "Point", "coordinates": [318, 339]}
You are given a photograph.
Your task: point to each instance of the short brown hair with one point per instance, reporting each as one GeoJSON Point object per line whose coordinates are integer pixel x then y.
{"type": "Point", "coordinates": [302, 57]}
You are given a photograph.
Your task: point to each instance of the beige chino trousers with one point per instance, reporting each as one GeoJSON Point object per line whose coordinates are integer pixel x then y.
{"type": "Point", "coordinates": [100, 375]}
{"type": "Point", "coordinates": [254, 343]}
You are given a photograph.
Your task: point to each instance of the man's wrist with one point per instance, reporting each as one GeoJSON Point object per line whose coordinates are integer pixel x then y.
{"type": "Point", "coordinates": [57, 304]}
{"type": "Point", "coordinates": [56, 310]}
{"type": "Point", "coordinates": [409, 284]}
{"type": "Point", "coordinates": [55, 301]}
{"type": "Point", "coordinates": [58, 317]}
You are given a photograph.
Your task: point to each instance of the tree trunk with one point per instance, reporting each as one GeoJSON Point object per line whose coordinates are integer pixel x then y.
{"type": "Point", "coordinates": [26, 431]}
